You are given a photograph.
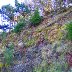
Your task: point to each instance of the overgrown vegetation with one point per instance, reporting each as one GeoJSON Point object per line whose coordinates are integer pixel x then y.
{"type": "Point", "coordinates": [53, 67]}
{"type": "Point", "coordinates": [21, 24]}
{"type": "Point", "coordinates": [8, 54]}
{"type": "Point", "coordinates": [69, 30]}
{"type": "Point", "coordinates": [33, 46]}
{"type": "Point", "coordinates": [36, 18]}
{"type": "Point", "coordinates": [3, 35]}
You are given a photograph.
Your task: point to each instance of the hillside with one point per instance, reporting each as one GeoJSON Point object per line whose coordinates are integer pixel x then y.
{"type": "Point", "coordinates": [43, 47]}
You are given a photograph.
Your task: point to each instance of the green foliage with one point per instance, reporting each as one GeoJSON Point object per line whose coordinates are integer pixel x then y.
{"type": "Point", "coordinates": [41, 68]}
{"type": "Point", "coordinates": [29, 43]}
{"type": "Point", "coordinates": [19, 26]}
{"type": "Point", "coordinates": [9, 10]}
{"type": "Point", "coordinates": [8, 54]}
{"type": "Point", "coordinates": [69, 30]}
{"type": "Point", "coordinates": [35, 19]}
{"type": "Point", "coordinates": [38, 69]}
{"type": "Point", "coordinates": [3, 35]}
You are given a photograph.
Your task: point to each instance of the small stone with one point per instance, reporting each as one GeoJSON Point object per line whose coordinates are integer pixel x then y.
{"type": "Point", "coordinates": [20, 44]}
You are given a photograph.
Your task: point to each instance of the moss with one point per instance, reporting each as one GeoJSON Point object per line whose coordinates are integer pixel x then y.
{"type": "Point", "coordinates": [19, 26]}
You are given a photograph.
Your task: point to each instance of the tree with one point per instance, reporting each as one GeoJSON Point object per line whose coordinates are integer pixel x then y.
{"type": "Point", "coordinates": [21, 8]}
{"type": "Point", "coordinates": [8, 10]}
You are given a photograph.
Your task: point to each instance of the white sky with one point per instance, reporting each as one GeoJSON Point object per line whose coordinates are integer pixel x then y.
{"type": "Point", "coordinates": [4, 2]}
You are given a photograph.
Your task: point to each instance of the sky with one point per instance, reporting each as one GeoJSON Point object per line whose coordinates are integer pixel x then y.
{"type": "Point", "coordinates": [5, 2]}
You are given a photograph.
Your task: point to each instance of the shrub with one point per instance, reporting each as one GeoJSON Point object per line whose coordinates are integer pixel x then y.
{"type": "Point", "coordinates": [69, 30]}
{"type": "Point", "coordinates": [59, 65]}
{"type": "Point", "coordinates": [3, 35]}
{"type": "Point", "coordinates": [8, 54]}
{"type": "Point", "coordinates": [35, 19]}
{"type": "Point", "coordinates": [43, 67]}
{"type": "Point", "coordinates": [19, 26]}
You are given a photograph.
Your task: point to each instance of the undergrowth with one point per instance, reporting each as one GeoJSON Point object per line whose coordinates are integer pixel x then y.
{"type": "Point", "coordinates": [69, 31]}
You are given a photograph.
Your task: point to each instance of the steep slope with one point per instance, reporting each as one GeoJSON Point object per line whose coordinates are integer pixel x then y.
{"type": "Point", "coordinates": [42, 43]}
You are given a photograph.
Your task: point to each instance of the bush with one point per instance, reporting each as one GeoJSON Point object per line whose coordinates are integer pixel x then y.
{"type": "Point", "coordinates": [3, 35]}
{"type": "Point", "coordinates": [69, 31]}
{"type": "Point", "coordinates": [19, 26]}
{"type": "Point", "coordinates": [35, 19]}
{"type": "Point", "coordinates": [8, 54]}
